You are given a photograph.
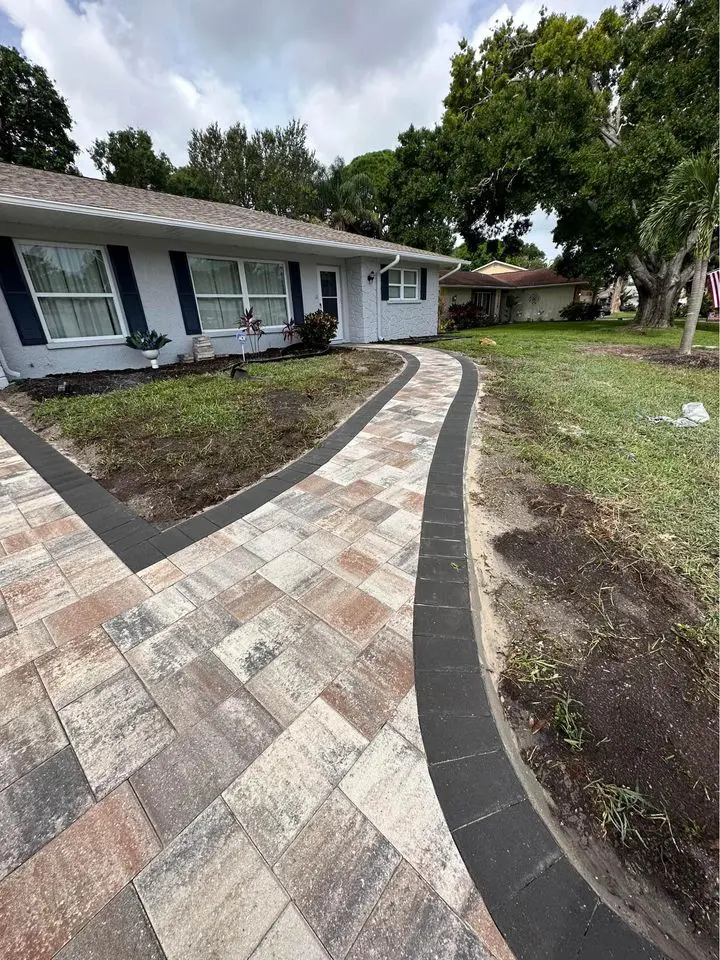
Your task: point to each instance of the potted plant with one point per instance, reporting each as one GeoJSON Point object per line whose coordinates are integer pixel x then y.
{"type": "Point", "coordinates": [149, 343]}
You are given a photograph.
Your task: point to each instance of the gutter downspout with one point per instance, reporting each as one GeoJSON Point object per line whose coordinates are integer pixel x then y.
{"type": "Point", "coordinates": [382, 270]}
{"type": "Point", "coordinates": [454, 270]}
{"type": "Point", "coordinates": [6, 373]}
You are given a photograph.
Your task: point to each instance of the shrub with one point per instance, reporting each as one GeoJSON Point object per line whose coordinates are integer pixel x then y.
{"type": "Point", "coordinates": [581, 311]}
{"type": "Point", "coordinates": [318, 329]}
{"type": "Point", "coordinates": [466, 315]}
{"type": "Point", "coordinates": [150, 340]}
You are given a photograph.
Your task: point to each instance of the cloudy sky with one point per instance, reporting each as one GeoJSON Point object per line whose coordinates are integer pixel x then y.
{"type": "Point", "coordinates": [356, 73]}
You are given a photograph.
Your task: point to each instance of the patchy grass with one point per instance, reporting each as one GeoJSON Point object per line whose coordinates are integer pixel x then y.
{"type": "Point", "coordinates": [176, 446]}
{"type": "Point", "coordinates": [622, 809]}
{"type": "Point", "coordinates": [580, 420]}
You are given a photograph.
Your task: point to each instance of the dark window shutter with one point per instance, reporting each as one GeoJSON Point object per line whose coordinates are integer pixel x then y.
{"type": "Point", "coordinates": [19, 299]}
{"type": "Point", "coordinates": [186, 293]}
{"type": "Point", "coordinates": [423, 283]}
{"type": "Point", "coordinates": [384, 286]}
{"type": "Point", "coordinates": [127, 288]}
{"type": "Point", "coordinates": [296, 292]}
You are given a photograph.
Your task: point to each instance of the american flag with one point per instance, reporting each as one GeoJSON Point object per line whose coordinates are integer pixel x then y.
{"type": "Point", "coordinates": [714, 282]}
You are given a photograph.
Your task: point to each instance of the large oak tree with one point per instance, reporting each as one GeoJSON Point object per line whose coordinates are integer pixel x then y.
{"type": "Point", "coordinates": [586, 120]}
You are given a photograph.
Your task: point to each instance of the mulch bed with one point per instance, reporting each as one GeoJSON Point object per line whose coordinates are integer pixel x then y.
{"type": "Point", "coordinates": [699, 359]}
{"type": "Point", "coordinates": [105, 381]}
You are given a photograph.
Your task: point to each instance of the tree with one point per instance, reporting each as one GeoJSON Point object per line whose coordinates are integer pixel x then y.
{"type": "Point", "coordinates": [35, 121]}
{"type": "Point", "coordinates": [509, 249]}
{"type": "Point", "coordinates": [586, 120]}
{"type": "Point", "coordinates": [128, 157]}
{"type": "Point", "coordinates": [420, 202]}
{"type": "Point", "coordinates": [347, 200]}
{"type": "Point", "coordinates": [379, 166]}
{"type": "Point", "coordinates": [686, 213]}
{"type": "Point", "coordinates": [272, 170]}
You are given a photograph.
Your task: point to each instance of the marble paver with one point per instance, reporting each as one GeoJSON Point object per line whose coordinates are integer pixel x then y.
{"type": "Point", "coordinates": [336, 870]}
{"type": "Point", "coordinates": [209, 894]}
{"type": "Point", "coordinates": [280, 791]}
{"type": "Point", "coordinates": [114, 729]}
{"type": "Point", "coordinates": [220, 756]}
{"type": "Point", "coordinates": [52, 895]}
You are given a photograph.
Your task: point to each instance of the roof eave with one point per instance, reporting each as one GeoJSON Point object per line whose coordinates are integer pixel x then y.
{"type": "Point", "coordinates": [219, 229]}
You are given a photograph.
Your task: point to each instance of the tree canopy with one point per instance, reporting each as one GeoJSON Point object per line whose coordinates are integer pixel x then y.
{"type": "Point", "coordinates": [35, 122]}
{"type": "Point", "coordinates": [419, 198]}
{"type": "Point", "coordinates": [510, 249]}
{"type": "Point", "coordinates": [585, 120]}
{"type": "Point", "coordinates": [128, 157]}
{"type": "Point", "coordinates": [346, 199]}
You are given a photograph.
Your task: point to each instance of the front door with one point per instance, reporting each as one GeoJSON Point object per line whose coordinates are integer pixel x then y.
{"type": "Point", "coordinates": [329, 295]}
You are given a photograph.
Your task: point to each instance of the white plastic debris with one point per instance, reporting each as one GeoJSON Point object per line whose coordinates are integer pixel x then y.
{"type": "Point", "coordinates": [693, 414]}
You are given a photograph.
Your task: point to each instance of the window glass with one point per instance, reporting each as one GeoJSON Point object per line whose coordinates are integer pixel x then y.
{"type": "Point", "coordinates": [215, 276]}
{"type": "Point", "coordinates": [265, 278]}
{"type": "Point", "coordinates": [66, 269]}
{"type": "Point", "coordinates": [72, 291]}
{"type": "Point", "coordinates": [225, 289]}
{"type": "Point", "coordinates": [394, 277]}
{"type": "Point", "coordinates": [394, 292]}
{"type": "Point", "coordinates": [270, 311]}
{"type": "Point", "coordinates": [220, 313]}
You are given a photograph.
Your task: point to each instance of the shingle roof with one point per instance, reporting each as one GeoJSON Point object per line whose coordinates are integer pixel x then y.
{"type": "Point", "coordinates": [27, 183]}
{"type": "Point", "coordinates": [507, 280]}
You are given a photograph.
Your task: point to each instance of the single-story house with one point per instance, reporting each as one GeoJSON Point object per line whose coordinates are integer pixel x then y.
{"type": "Point", "coordinates": [505, 291]}
{"type": "Point", "coordinates": [83, 263]}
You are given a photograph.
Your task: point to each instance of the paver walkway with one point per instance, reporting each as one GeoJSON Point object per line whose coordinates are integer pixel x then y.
{"type": "Point", "coordinates": [220, 756]}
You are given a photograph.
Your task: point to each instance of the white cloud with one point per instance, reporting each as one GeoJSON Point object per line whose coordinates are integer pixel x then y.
{"type": "Point", "coordinates": [386, 102]}
{"type": "Point", "coordinates": [108, 86]}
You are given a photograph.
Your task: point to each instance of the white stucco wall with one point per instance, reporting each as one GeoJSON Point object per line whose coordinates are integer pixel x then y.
{"type": "Point", "coordinates": [360, 302]}
{"type": "Point", "coordinates": [413, 319]}
{"type": "Point", "coordinates": [156, 285]}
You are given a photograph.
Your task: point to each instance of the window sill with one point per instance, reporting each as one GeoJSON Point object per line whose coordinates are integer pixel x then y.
{"type": "Point", "coordinates": [85, 342]}
{"type": "Point", "coordinates": [391, 300]}
{"type": "Point", "coordinates": [214, 334]}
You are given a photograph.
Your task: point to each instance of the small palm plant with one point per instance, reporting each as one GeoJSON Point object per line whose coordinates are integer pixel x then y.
{"type": "Point", "coordinates": [686, 214]}
{"type": "Point", "coordinates": [252, 330]}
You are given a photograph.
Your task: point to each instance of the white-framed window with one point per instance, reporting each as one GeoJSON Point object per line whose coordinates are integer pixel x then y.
{"type": "Point", "coordinates": [225, 288]}
{"type": "Point", "coordinates": [403, 285]}
{"type": "Point", "coordinates": [72, 286]}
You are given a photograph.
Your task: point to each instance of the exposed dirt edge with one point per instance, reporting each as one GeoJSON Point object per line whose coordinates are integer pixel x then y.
{"type": "Point", "coordinates": [645, 908]}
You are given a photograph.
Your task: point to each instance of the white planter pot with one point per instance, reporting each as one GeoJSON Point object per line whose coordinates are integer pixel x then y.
{"type": "Point", "coordinates": [152, 356]}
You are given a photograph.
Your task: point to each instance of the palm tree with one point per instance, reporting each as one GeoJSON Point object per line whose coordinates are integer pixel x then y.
{"type": "Point", "coordinates": [347, 201]}
{"type": "Point", "coordinates": [686, 213]}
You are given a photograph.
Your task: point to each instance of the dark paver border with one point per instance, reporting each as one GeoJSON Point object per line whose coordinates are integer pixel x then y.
{"type": "Point", "coordinates": [539, 901]}
{"type": "Point", "coordinates": [139, 543]}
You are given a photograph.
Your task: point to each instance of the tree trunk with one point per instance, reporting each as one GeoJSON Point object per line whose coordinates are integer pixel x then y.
{"type": "Point", "coordinates": [616, 295]}
{"type": "Point", "coordinates": [694, 303]}
{"type": "Point", "coordinates": [659, 284]}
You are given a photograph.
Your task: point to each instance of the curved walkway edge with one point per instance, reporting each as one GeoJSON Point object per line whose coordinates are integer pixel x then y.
{"type": "Point", "coordinates": [542, 906]}
{"type": "Point", "coordinates": [138, 543]}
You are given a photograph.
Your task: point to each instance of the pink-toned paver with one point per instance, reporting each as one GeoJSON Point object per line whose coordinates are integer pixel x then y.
{"type": "Point", "coordinates": [240, 719]}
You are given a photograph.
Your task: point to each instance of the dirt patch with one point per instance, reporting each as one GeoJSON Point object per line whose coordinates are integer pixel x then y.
{"type": "Point", "coordinates": [699, 359]}
{"type": "Point", "coordinates": [604, 689]}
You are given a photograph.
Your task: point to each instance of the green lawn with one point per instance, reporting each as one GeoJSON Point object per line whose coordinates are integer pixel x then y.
{"type": "Point", "coordinates": [663, 479]}
{"type": "Point", "coordinates": [176, 446]}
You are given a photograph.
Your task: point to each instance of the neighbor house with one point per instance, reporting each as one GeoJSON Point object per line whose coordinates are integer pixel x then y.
{"type": "Point", "coordinates": [83, 263]}
{"type": "Point", "coordinates": [506, 292]}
